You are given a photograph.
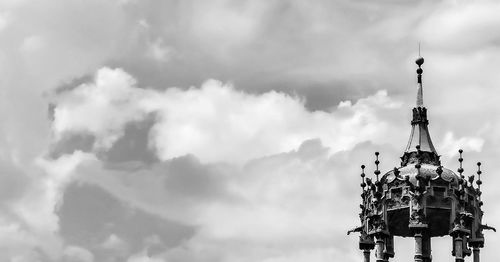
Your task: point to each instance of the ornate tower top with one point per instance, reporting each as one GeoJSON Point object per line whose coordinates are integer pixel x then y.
{"type": "Point", "coordinates": [420, 199]}
{"type": "Point", "coordinates": [419, 135]}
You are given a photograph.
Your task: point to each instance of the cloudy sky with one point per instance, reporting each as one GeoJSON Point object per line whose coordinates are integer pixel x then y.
{"type": "Point", "coordinates": [180, 131]}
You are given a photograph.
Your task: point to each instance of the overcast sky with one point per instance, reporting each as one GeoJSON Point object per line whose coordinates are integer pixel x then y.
{"type": "Point", "coordinates": [228, 131]}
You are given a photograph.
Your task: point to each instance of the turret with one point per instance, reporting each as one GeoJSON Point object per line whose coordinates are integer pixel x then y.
{"type": "Point", "coordinates": [421, 199]}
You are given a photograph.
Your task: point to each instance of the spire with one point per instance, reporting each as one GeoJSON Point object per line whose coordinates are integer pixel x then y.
{"type": "Point", "coordinates": [420, 134]}
{"type": "Point", "coordinates": [420, 93]}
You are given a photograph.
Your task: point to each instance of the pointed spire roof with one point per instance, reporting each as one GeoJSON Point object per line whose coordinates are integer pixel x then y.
{"type": "Point", "coordinates": [420, 147]}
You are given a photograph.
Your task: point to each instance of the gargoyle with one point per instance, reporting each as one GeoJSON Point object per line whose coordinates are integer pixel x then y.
{"type": "Point", "coordinates": [356, 229]}
{"type": "Point", "coordinates": [481, 226]}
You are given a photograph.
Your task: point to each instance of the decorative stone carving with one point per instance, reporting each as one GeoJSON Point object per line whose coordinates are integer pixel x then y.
{"type": "Point", "coordinates": [421, 199]}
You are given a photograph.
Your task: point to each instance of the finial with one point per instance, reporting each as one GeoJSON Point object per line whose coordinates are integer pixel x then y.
{"type": "Point", "coordinates": [420, 59]}
{"type": "Point", "coordinates": [460, 160]}
{"type": "Point", "coordinates": [377, 171]}
{"type": "Point", "coordinates": [478, 181]}
{"type": "Point", "coordinates": [363, 184]}
{"type": "Point", "coordinates": [420, 95]}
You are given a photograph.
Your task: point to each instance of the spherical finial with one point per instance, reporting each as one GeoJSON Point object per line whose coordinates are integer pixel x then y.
{"type": "Point", "coordinates": [377, 153]}
{"type": "Point", "coordinates": [362, 166]}
{"type": "Point", "coordinates": [478, 163]}
{"type": "Point", "coordinates": [419, 61]}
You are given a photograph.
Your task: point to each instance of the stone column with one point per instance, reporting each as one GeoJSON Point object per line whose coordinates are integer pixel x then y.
{"type": "Point", "coordinates": [389, 247]}
{"type": "Point", "coordinates": [426, 248]}
{"type": "Point", "coordinates": [458, 247]}
{"type": "Point", "coordinates": [366, 244]}
{"type": "Point", "coordinates": [366, 254]}
{"type": "Point", "coordinates": [379, 248]}
{"type": "Point", "coordinates": [418, 246]}
{"type": "Point", "coordinates": [475, 253]}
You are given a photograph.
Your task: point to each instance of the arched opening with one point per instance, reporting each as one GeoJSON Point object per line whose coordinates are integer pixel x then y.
{"type": "Point", "coordinates": [404, 248]}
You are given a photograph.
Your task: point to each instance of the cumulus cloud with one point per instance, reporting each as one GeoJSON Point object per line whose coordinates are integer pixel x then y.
{"type": "Point", "coordinates": [280, 207]}
{"type": "Point", "coordinates": [266, 197]}
{"type": "Point", "coordinates": [101, 108]}
{"type": "Point", "coordinates": [209, 172]}
{"type": "Point", "coordinates": [264, 159]}
{"type": "Point", "coordinates": [215, 122]}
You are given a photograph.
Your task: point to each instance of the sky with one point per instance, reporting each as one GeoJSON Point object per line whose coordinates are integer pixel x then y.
{"type": "Point", "coordinates": [229, 131]}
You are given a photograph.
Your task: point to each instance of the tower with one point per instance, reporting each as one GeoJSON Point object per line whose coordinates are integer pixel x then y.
{"type": "Point", "coordinates": [421, 199]}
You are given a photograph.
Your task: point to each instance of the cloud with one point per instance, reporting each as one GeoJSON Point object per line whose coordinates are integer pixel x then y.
{"type": "Point", "coordinates": [451, 145]}
{"type": "Point", "coordinates": [446, 26]}
{"type": "Point", "coordinates": [158, 51]}
{"type": "Point", "coordinates": [227, 161]}
{"type": "Point", "coordinates": [109, 227]}
{"type": "Point", "coordinates": [226, 167]}
{"type": "Point", "coordinates": [101, 109]}
{"type": "Point", "coordinates": [265, 159]}
{"type": "Point", "coordinates": [238, 125]}
{"type": "Point", "coordinates": [273, 208]}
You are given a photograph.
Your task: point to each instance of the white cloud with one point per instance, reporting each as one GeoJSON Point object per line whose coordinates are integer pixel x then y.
{"type": "Point", "coordinates": [28, 224]}
{"type": "Point", "coordinates": [462, 26]}
{"type": "Point", "coordinates": [450, 145]}
{"type": "Point", "coordinates": [158, 50]}
{"type": "Point", "coordinates": [276, 199]}
{"type": "Point", "coordinates": [260, 46]}
{"type": "Point", "coordinates": [101, 108]}
{"type": "Point", "coordinates": [114, 242]}
{"type": "Point", "coordinates": [218, 123]}
{"type": "Point", "coordinates": [274, 208]}
{"type": "Point", "coordinates": [215, 122]}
